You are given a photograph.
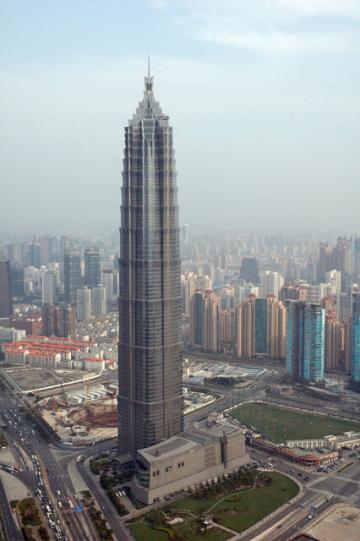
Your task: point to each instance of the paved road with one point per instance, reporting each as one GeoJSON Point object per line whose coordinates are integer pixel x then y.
{"type": "Point", "coordinates": [290, 528]}
{"type": "Point", "coordinates": [55, 458]}
{"type": "Point", "coordinates": [54, 483]}
{"type": "Point", "coordinates": [12, 533]}
{"type": "Point", "coordinates": [120, 531]}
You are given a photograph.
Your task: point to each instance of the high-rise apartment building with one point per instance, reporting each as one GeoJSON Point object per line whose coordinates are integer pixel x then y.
{"type": "Point", "coordinates": [249, 270]}
{"type": "Point", "coordinates": [295, 339]}
{"type": "Point", "coordinates": [275, 328]}
{"type": "Point", "coordinates": [245, 328]}
{"type": "Point", "coordinates": [270, 283]}
{"type": "Point", "coordinates": [295, 292]}
{"type": "Point", "coordinates": [44, 245]}
{"type": "Point", "coordinates": [334, 341]}
{"type": "Point", "coordinates": [333, 278]}
{"type": "Point", "coordinates": [14, 254]}
{"type": "Point", "coordinates": [197, 318]}
{"type": "Point", "coordinates": [49, 288]}
{"type": "Point", "coordinates": [357, 259]}
{"type": "Point", "coordinates": [83, 304]}
{"type": "Point", "coordinates": [92, 274]}
{"type": "Point", "coordinates": [343, 255]}
{"type": "Point", "coordinates": [340, 258]}
{"type": "Point", "coordinates": [314, 343]}
{"type": "Point", "coordinates": [98, 301]}
{"type": "Point", "coordinates": [110, 279]}
{"type": "Point", "coordinates": [184, 239]}
{"type": "Point", "coordinates": [211, 322]}
{"type": "Point", "coordinates": [188, 288]}
{"type": "Point", "coordinates": [344, 301]}
{"type": "Point", "coordinates": [150, 397]}
{"type": "Point", "coordinates": [49, 320]}
{"type": "Point", "coordinates": [261, 327]}
{"type": "Point", "coordinates": [355, 339]}
{"type": "Point", "coordinates": [66, 320]}
{"type": "Point", "coordinates": [324, 261]}
{"type": "Point", "coordinates": [34, 254]}
{"type": "Point", "coordinates": [282, 330]}
{"type": "Point", "coordinates": [227, 328]}
{"type": "Point", "coordinates": [305, 336]}
{"type": "Point", "coordinates": [72, 275]}
{"type": "Point", "coordinates": [17, 280]}
{"type": "Point", "coordinates": [58, 320]}
{"type": "Point", "coordinates": [6, 298]}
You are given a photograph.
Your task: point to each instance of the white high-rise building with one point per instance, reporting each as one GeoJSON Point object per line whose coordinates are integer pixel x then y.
{"type": "Point", "coordinates": [83, 304]}
{"type": "Point", "coordinates": [204, 282]}
{"type": "Point", "coordinates": [270, 283]}
{"type": "Point", "coordinates": [48, 288]}
{"type": "Point", "coordinates": [98, 301]}
{"type": "Point", "coordinates": [109, 281]}
{"type": "Point", "coordinates": [333, 277]}
{"type": "Point", "coordinates": [244, 291]}
{"type": "Point", "coordinates": [188, 288]}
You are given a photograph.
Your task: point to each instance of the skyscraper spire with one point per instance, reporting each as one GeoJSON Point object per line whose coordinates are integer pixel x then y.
{"type": "Point", "coordinates": [148, 78]}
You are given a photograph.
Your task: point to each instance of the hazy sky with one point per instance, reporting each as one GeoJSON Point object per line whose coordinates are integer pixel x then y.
{"type": "Point", "coordinates": [263, 96]}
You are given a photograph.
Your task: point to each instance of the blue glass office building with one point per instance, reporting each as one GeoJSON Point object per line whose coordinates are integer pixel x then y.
{"type": "Point", "coordinates": [355, 338]}
{"type": "Point", "coordinates": [261, 326]}
{"type": "Point", "coordinates": [305, 341]}
{"type": "Point", "coordinates": [314, 343]}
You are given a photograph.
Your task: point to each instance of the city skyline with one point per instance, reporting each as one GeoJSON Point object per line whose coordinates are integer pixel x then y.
{"type": "Point", "coordinates": [263, 110]}
{"type": "Point", "coordinates": [179, 283]}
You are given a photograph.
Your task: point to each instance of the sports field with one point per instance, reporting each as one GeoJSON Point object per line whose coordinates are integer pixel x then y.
{"type": "Point", "coordinates": [280, 424]}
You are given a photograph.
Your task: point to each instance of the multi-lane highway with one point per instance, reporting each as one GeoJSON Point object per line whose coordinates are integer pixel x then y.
{"type": "Point", "coordinates": [11, 529]}
{"type": "Point", "coordinates": [120, 531]}
{"type": "Point", "coordinates": [50, 481]}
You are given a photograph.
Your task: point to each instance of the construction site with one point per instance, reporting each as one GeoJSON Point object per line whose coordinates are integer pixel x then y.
{"type": "Point", "coordinates": [89, 414]}
{"type": "Point", "coordinates": [82, 417]}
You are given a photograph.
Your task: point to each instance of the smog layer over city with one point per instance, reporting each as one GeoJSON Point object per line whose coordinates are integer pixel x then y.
{"type": "Point", "coordinates": [179, 270]}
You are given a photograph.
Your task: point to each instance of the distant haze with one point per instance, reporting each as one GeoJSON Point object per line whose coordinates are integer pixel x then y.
{"type": "Point", "coordinates": [263, 97]}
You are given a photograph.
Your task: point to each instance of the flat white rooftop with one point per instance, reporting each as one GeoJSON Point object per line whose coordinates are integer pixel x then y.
{"type": "Point", "coordinates": [341, 522]}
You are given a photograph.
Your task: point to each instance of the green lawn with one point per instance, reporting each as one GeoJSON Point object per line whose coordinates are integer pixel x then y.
{"type": "Point", "coordinates": [145, 532]}
{"type": "Point", "coordinates": [281, 424]}
{"type": "Point", "coordinates": [196, 505]}
{"type": "Point", "coordinates": [236, 510]}
{"type": "Point", "coordinates": [254, 505]}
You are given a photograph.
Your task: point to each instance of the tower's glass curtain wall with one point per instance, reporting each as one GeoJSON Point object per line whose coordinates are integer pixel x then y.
{"type": "Point", "coordinates": [305, 337]}
{"type": "Point", "coordinates": [150, 399]}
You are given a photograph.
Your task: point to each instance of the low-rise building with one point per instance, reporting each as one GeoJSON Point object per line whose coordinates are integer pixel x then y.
{"type": "Point", "coordinates": [10, 334]}
{"type": "Point", "coordinates": [348, 440]}
{"type": "Point", "coordinates": [188, 460]}
{"type": "Point", "coordinates": [308, 458]}
{"type": "Point", "coordinates": [55, 352]}
{"type": "Point", "coordinates": [299, 451]}
{"type": "Point", "coordinates": [341, 521]}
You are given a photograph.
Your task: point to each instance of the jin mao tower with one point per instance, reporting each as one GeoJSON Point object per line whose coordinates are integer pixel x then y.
{"type": "Point", "coordinates": [150, 398]}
